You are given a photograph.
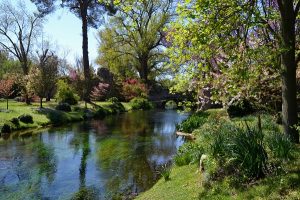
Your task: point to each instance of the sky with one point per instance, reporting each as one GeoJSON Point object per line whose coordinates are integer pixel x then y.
{"type": "Point", "coordinates": [63, 29]}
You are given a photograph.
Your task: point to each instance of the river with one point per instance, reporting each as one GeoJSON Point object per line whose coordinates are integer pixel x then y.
{"type": "Point", "coordinates": [117, 157]}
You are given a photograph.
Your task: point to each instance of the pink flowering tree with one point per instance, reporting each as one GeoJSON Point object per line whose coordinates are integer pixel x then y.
{"type": "Point", "coordinates": [99, 92]}
{"type": "Point", "coordinates": [6, 89]}
{"type": "Point", "coordinates": [133, 88]}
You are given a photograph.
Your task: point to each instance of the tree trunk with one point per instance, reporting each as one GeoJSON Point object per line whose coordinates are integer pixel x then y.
{"type": "Point", "coordinates": [85, 52]}
{"type": "Point", "coordinates": [25, 71]}
{"type": "Point", "coordinates": [7, 103]}
{"type": "Point", "coordinates": [41, 102]}
{"type": "Point", "coordinates": [144, 70]}
{"type": "Point", "coordinates": [288, 65]}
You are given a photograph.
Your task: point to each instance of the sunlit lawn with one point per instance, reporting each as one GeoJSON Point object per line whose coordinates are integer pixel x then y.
{"type": "Point", "coordinates": [15, 109]}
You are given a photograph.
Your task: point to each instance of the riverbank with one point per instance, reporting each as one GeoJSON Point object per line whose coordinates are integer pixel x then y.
{"type": "Point", "coordinates": [224, 176]}
{"type": "Point", "coordinates": [49, 116]}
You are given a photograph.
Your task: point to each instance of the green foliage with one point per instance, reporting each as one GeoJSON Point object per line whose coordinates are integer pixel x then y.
{"type": "Point", "coordinates": [240, 108]}
{"type": "Point", "coordinates": [188, 153]}
{"type": "Point", "coordinates": [116, 107]}
{"type": "Point", "coordinates": [139, 103]}
{"type": "Point", "coordinates": [100, 113]}
{"type": "Point", "coordinates": [192, 122]}
{"type": "Point", "coordinates": [65, 94]}
{"type": "Point", "coordinates": [5, 129]}
{"type": "Point", "coordinates": [165, 172]}
{"type": "Point", "coordinates": [135, 50]}
{"type": "Point", "coordinates": [113, 100]}
{"type": "Point", "coordinates": [27, 119]}
{"type": "Point", "coordinates": [171, 105]}
{"type": "Point", "coordinates": [63, 107]}
{"type": "Point", "coordinates": [248, 152]}
{"type": "Point", "coordinates": [15, 121]}
{"type": "Point", "coordinates": [281, 146]}
{"type": "Point", "coordinates": [205, 53]}
{"type": "Point", "coordinates": [187, 106]}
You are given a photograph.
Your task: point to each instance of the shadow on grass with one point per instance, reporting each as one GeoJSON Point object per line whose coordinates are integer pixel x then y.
{"type": "Point", "coordinates": [283, 186]}
{"type": "Point", "coordinates": [57, 117]}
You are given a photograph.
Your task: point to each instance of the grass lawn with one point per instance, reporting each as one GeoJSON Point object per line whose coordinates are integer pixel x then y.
{"type": "Point", "coordinates": [47, 116]}
{"type": "Point", "coordinates": [184, 185]}
{"type": "Point", "coordinates": [16, 109]}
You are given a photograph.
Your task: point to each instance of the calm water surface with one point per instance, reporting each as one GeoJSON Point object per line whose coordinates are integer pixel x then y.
{"type": "Point", "coordinates": [115, 157]}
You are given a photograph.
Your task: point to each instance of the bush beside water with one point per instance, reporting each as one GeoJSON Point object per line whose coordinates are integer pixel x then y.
{"type": "Point", "coordinates": [194, 121]}
{"type": "Point", "coordinates": [235, 148]}
{"type": "Point", "coordinates": [63, 107]}
{"type": "Point", "coordinates": [27, 119]}
{"type": "Point", "coordinates": [139, 103]}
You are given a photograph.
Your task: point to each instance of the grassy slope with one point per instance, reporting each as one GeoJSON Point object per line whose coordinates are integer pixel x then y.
{"type": "Point", "coordinates": [18, 108]}
{"type": "Point", "coordinates": [186, 183]}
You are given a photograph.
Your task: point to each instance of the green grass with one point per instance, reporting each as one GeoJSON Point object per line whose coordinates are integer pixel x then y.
{"type": "Point", "coordinates": [47, 116]}
{"type": "Point", "coordinates": [15, 109]}
{"type": "Point", "coordinates": [184, 183]}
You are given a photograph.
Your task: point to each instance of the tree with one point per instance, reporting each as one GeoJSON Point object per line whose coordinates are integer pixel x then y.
{"type": "Point", "coordinates": [233, 46]}
{"type": "Point", "coordinates": [6, 89]}
{"type": "Point", "coordinates": [8, 65]}
{"type": "Point", "coordinates": [18, 29]}
{"type": "Point", "coordinates": [91, 13]}
{"type": "Point", "coordinates": [48, 63]}
{"type": "Point", "coordinates": [289, 10]}
{"type": "Point", "coordinates": [132, 43]}
{"type": "Point", "coordinates": [43, 76]}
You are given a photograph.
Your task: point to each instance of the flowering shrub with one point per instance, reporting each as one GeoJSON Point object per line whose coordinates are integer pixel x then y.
{"type": "Point", "coordinates": [133, 88]}
{"type": "Point", "coordinates": [99, 92]}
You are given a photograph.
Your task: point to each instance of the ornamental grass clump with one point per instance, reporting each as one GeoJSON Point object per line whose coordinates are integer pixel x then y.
{"type": "Point", "coordinates": [248, 152]}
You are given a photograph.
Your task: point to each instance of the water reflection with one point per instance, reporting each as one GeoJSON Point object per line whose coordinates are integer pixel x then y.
{"type": "Point", "coordinates": [113, 157]}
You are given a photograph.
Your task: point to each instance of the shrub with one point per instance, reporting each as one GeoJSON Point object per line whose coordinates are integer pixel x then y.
{"type": "Point", "coordinates": [133, 88]}
{"type": "Point", "coordinates": [194, 121]}
{"type": "Point", "coordinates": [189, 153]}
{"type": "Point", "coordinates": [99, 92]}
{"type": "Point", "coordinates": [171, 105]}
{"type": "Point", "coordinates": [6, 129]}
{"type": "Point", "coordinates": [15, 121]}
{"type": "Point", "coordinates": [63, 107]}
{"type": "Point", "coordinates": [113, 100]}
{"type": "Point", "coordinates": [27, 119]}
{"type": "Point", "coordinates": [100, 113]}
{"type": "Point", "coordinates": [280, 145]}
{"type": "Point", "coordinates": [240, 108]}
{"type": "Point", "coordinates": [65, 94]}
{"type": "Point", "coordinates": [117, 107]}
{"type": "Point", "coordinates": [141, 103]}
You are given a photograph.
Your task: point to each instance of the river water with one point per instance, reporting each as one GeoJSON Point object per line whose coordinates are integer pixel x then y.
{"type": "Point", "coordinates": [117, 157]}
